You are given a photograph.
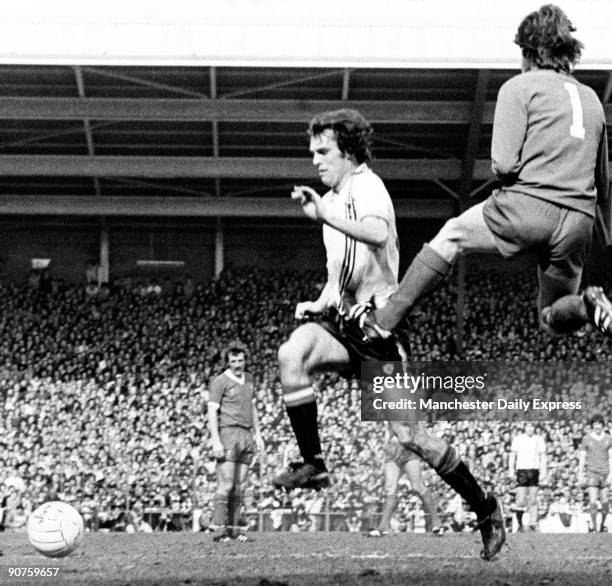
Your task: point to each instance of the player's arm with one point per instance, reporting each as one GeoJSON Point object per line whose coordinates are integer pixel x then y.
{"type": "Point", "coordinates": [257, 430]}
{"type": "Point", "coordinates": [315, 307]}
{"type": "Point", "coordinates": [543, 462]}
{"type": "Point", "coordinates": [512, 459]}
{"type": "Point", "coordinates": [213, 426]}
{"type": "Point", "coordinates": [581, 462]}
{"type": "Point", "coordinates": [509, 130]}
{"type": "Point", "coordinates": [511, 464]}
{"type": "Point", "coordinates": [370, 229]}
{"type": "Point", "coordinates": [602, 180]}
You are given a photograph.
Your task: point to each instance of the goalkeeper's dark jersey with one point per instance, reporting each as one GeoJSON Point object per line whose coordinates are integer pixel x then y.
{"type": "Point", "coordinates": [549, 140]}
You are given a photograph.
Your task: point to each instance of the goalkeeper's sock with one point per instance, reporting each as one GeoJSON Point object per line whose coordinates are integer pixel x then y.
{"type": "Point", "coordinates": [426, 272]}
{"type": "Point", "coordinates": [302, 412]}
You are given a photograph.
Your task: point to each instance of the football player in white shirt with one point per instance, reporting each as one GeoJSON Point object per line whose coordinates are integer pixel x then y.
{"type": "Point", "coordinates": [362, 248]}
{"type": "Point", "coordinates": [528, 462]}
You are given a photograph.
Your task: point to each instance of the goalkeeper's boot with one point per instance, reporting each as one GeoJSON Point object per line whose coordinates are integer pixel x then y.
{"type": "Point", "coordinates": [599, 309]}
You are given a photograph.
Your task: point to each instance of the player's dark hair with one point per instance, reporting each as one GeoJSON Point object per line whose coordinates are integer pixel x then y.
{"type": "Point", "coordinates": [545, 38]}
{"type": "Point", "coordinates": [234, 348]}
{"type": "Point", "coordinates": [598, 417]}
{"type": "Point", "coordinates": [353, 132]}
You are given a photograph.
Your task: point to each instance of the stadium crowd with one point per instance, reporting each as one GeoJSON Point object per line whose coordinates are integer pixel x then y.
{"type": "Point", "coordinates": [103, 400]}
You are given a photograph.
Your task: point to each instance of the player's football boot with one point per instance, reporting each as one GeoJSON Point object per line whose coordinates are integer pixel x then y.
{"type": "Point", "coordinates": [440, 530]}
{"type": "Point", "coordinates": [242, 538]}
{"type": "Point", "coordinates": [599, 309]}
{"type": "Point", "coordinates": [302, 475]}
{"type": "Point", "coordinates": [492, 530]}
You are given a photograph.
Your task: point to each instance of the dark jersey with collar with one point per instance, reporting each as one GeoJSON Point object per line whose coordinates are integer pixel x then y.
{"type": "Point", "coordinates": [549, 140]}
{"type": "Point", "coordinates": [597, 452]}
{"type": "Point", "coordinates": [235, 399]}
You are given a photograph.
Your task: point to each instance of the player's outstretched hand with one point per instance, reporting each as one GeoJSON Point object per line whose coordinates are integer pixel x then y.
{"type": "Point", "coordinates": [259, 443]}
{"type": "Point", "coordinates": [312, 203]}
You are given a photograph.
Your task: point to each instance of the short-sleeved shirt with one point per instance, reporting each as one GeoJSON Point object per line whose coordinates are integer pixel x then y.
{"type": "Point", "coordinates": [530, 451]}
{"type": "Point", "coordinates": [235, 399]}
{"type": "Point", "coordinates": [549, 138]}
{"type": "Point", "coordinates": [357, 272]}
{"type": "Point", "coordinates": [597, 452]}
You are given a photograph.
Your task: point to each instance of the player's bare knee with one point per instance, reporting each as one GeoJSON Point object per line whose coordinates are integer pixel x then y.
{"type": "Point", "coordinates": [291, 359]}
{"type": "Point", "coordinates": [449, 241]}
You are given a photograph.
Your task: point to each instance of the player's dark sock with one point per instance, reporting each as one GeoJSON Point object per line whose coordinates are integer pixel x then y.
{"type": "Point", "coordinates": [519, 518]}
{"type": "Point", "coordinates": [605, 509]}
{"type": "Point", "coordinates": [457, 475]}
{"type": "Point", "coordinates": [568, 314]}
{"type": "Point", "coordinates": [425, 273]}
{"type": "Point", "coordinates": [234, 507]}
{"type": "Point", "coordinates": [430, 509]}
{"type": "Point", "coordinates": [388, 509]}
{"type": "Point", "coordinates": [220, 511]}
{"type": "Point", "coordinates": [305, 427]}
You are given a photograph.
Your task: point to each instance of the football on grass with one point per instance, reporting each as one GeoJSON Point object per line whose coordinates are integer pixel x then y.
{"type": "Point", "coordinates": [55, 529]}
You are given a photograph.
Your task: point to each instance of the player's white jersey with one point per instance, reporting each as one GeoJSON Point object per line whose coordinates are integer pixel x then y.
{"type": "Point", "coordinates": [359, 273]}
{"type": "Point", "coordinates": [530, 451]}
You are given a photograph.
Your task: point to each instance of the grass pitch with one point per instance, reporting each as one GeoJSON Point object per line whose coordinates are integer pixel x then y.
{"type": "Point", "coordinates": [276, 559]}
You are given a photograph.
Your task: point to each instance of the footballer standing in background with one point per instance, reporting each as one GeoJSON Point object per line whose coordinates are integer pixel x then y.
{"type": "Point", "coordinates": [595, 470]}
{"type": "Point", "coordinates": [235, 436]}
{"type": "Point", "coordinates": [528, 462]}
{"type": "Point", "coordinates": [362, 248]}
{"type": "Point", "coordinates": [399, 460]}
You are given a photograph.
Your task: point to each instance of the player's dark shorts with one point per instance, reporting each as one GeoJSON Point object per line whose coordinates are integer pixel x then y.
{"type": "Point", "coordinates": [238, 443]}
{"type": "Point", "coordinates": [395, 348]}
{"type": "Point", "coordinates": [528, 477]}
{"type": "Point", "coordinates": [597, 479]}
{"type": "Point", "coordinates": [395, 452]}
{"type": "Point", "coordinates": [561, 237]}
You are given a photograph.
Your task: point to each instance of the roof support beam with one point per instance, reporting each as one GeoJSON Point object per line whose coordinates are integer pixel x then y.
{"type": "Point", "coordinates": [78, 74]}
{"type": "Point", "coordinates": [240, 110]}
{"type": "Point", "coordinates": [606, 95]}
{"type": "Point", "coordinates": [473, 138]}
{"type": "Point", "coordinates": [210, 167]}
{"type": "Point", "coordinates": [215, 125]}
{"type": "Point", "coordinates": [346, 80]}
{"type": "Point", "coordinates": [232, 110]}
{"type": "Point", "coordinates": [261, 207]}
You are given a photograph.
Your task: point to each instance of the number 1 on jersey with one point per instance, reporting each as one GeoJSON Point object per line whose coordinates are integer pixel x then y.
{"type": "Point", "coordinates": [577, 127]}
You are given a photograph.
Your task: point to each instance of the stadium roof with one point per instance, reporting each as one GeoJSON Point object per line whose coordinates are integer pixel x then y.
{"type": "Point", "coordinates": [205, 139]}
